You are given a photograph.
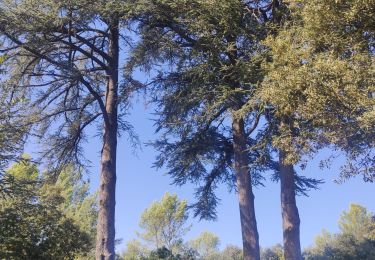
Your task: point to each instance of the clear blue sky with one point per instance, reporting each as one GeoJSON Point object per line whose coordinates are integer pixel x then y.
{"type": "Point", "coordinates": [138, 185]}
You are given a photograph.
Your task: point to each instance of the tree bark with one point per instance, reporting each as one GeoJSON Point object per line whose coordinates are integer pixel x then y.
{"type": "Point", "coordinates": [105, 236]}
{"type": "Point", "coordinates": [250, 237]}
{"type": "Point", "coordinates": [291, 220]}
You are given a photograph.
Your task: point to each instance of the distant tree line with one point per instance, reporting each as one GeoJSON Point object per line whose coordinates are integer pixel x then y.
{"type": "Point", "coordinates": [164, 225]}
{"type": "Point", "coordinates": [356, 239]}
{"type": "Point", "coordinates": [55, 218]}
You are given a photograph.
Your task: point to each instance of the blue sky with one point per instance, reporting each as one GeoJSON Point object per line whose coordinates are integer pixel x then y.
{"type": "Point", "coordinates": [138, 185]}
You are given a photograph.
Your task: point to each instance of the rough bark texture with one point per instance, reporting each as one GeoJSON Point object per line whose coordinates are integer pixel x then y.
{"type": "Point", "coordinates": [105, 238]}
{"type": "Point", "coordinates": [291, 221]}
{"type": "Point", "coordinates": [250, 235]}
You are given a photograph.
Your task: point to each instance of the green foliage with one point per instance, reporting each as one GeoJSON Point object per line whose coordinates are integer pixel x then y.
{"type": "Point", "coordinates": [358, 222]}
{"type": "Point", "coordinates": [16, 180]}
{"type": "Point", "coordinates": [164, 229]}
{"type": "Point", "coordinates": [40, 232]}
{"type": "Point", "coordinates": [161, 253]}
{"type": "Point", "coordinates": [63, 56]}
{"type": "Point", "coordinates": [55, 57]}
{"type": "Point", "coordinates": [12, 135]}
{"type": "Point", "coordinates": [323, 83]}
{"type": "Point", "coordinates": [231, 252]}
{"type": "Point", "coordinates": [135, 250]}
{"type": "Point", "coordinates": [25, 170]}
{"type": "Point", "coordinates": [355, 241]}
{"type": "Point", "coordinates": [78, 204]}
{"type": "Point", "coordinates": [209, 60]}
{"type": "Point", "coordinates": [164, 222]}
{"type": "Point", "coordinates": [36, 222]}
{"type": "Point", "coordinates": [206, 245]}
{"type": "Point", "coordinates": [272, 253]}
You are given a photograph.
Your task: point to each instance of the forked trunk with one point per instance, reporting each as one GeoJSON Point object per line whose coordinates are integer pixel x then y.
{"type": "Point", "coordinates": [105, 236]}
{"type": "Point", "coordinates": [250, 237]}
{"type": "Point", "coordinates": [291, 221]}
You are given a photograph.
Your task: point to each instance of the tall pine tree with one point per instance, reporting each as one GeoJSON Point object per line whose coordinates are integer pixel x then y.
{"type": "Point", "coordinates": [319, 87]}
{"type": "Point", "coordinates": [64, 55]}
{"type": "Point", "coordinates": [208, 66]}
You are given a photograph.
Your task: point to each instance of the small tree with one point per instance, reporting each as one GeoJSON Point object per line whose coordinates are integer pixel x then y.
{"type": "Point", "coordinates": [355, 240]}
{"type": "Point", "coordinates": [231, 252]}
{"type": "Point", "coordinates": [206, 245]}
{"type": "Point", "coordinates": [76, 203]}
{"type": "Point", "coordinates": [357, 221]}
{"type": "Point", "coordinates": [272, 253]}
{"type": "Point", "coordinates": [34, 224]}
{"type": "Point", "coordinates": [164, 222]}
{"type": "Point", "coordinates": [135, 250]}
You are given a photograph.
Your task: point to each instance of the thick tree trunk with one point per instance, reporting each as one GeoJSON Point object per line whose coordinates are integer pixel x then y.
{"type": "Point", "coordinates": [105, 236]}
{"type": "Point", "coordinates": [291, 221]}
{"type": "Point", "coordinates": [250, 237]}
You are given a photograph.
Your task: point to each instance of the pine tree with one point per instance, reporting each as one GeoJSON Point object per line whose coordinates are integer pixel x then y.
{"type": "Point", "coordinates": [164, 223]}
{"type": "Point", "coordinates": [64, 57]}
{"type": "Point", "coordinates": [323, 83]}
{"type": "Point", "coordinates": [209, 55]}
{"type": "Point", "coordinates": [319, 87]}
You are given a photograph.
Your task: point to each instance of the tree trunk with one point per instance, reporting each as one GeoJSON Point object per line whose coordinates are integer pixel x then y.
{"type": "Point", "coordinates": [250, 237]}
{"type": "Point", "coordinates": [291, 221]}
{"type": "Point", "coordinates": [105, 236]}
